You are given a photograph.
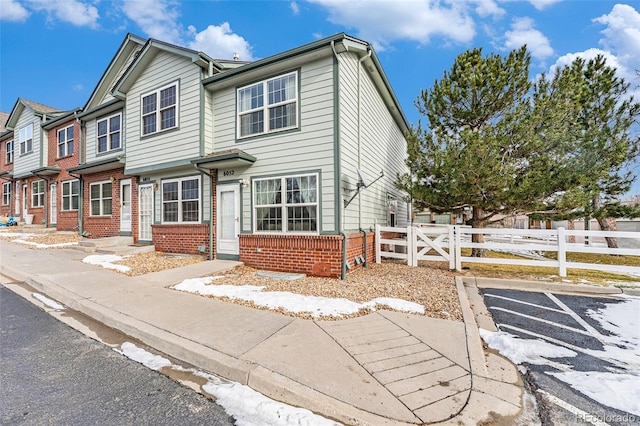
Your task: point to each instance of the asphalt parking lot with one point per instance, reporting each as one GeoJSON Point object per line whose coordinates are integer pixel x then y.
{"type": "Point", "coordinates": [570, 385]}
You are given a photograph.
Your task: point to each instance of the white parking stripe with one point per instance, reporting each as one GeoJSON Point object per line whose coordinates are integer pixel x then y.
{"type": "Point", "coordinates": [589, 352]}
{"type": "Point", "coordinates": [524, 303]}
{"type": "Point", "coordinates": [566, 327]}
{"type": "Point", "coordinates": [580, 415]}
{"type": "Point", "coordinates": [595, 333]}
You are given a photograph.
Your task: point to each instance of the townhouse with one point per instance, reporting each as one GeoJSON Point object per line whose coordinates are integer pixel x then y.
{"type": "Point", "coordinates": [285, 163]}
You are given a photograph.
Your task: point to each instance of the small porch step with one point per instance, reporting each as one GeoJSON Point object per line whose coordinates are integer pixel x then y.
{"type": "Point", "coordinates": [106, 242]}
{"type": "Point", "coordinates": [124, 250]}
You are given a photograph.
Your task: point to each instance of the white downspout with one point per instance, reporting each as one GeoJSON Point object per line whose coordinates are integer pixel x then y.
{"type": "Point", "coordinates": [360, 61]}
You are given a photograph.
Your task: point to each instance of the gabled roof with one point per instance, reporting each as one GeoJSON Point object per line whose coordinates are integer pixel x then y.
{"type": "Point", "coordinates": [335, 44]}
{"type": "Point", "coordinates": [37, 108]}
{"type": "Point", "coordinates": [129, 44]}
{"type": "Point", "coordinates": [61, 119]}
{"type": "Point", "coordinates": [151, 48]}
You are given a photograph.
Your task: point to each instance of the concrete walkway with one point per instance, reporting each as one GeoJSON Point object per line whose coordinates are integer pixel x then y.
{"type": "Point", "coordinates": [385, 368]}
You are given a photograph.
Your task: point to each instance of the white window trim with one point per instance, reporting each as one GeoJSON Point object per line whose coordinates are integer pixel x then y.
{"type": "Point", "coordinates": [9, 153]}
{"type": "Point", "coordinates": [6, 194]}
{"type": "Point", "coordinates": [108, 134]}
{"type": "Point", "coordinates": [39, 194]}
{"type": "Point", "coordinates": [180, 200]}
{"type": "Point", "coordinates": [266, 106]}
{"type": "Point", "coordinates": [101, 213]}
{"type": "Point", "coordinates": [158, 110]}
{"type": "Point", "coordinates": [284, 205]}
{"type": "Point", "coordinates": [70, 196]}
{"type": "Point", "coordinates": [66, 143]}
{"type": "Point", "coordinates": [24, 141]}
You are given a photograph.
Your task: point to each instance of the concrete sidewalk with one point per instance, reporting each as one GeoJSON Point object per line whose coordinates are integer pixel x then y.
{"type": "Point", "coordinates": [383, 368]}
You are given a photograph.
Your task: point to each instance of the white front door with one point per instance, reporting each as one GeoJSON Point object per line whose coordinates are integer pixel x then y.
{"type": "Point", "coordinates": [53, 204]}
{"type": "Point", "coordinates": [125, 205]}
{"type": "Point", "coordinates": [145, 212]}
{"type": "Point", "coordinates": [25, 201]}
{"type": "Point", "coordinates": [16, 211]}
{"type": "Point", "coordinates": [228, 218]}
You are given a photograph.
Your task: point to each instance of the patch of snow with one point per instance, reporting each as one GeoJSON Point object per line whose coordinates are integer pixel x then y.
{"type": "Point", "coordinates": [616, 390]}
{"type": "Point", "coordinates": [105, 260]}
{"type": "Point", "coordinates": [149, 360]}
{"type": "Point", "coordinates": [317, 306]}
{"type": "Point", "coordinates": [50, 303]}
{"type": "Point", "coordinates": [248, 407]}
{"type": "Point", "coordinates": [533, 351]}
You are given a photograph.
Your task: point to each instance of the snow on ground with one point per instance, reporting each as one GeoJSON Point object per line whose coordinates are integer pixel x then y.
{"type": "Point", "coordinates": [43, 246]}
{"type": "Point", "coordinates": [248, 407]}
{"type": "Point", "coordinates": [50, 303]}
{"type": "Point", "coordinates": [106, 261]}
{"type": "Point", "coordinates": [296, 303]}
{"type": "Point", "coordinates": [618, 389]}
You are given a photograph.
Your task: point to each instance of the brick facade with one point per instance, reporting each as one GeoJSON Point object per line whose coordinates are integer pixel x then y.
{"type": "Point", "coordinates": [181, 238]}
{"type": "Point", "coordinates": [67, 220]}
{"type": "Point", "coordinates": [318, 255]}
{"type": "Point", "coordinates": [108, 225]}
{"type": "Point", "coordinates": [6, 210]}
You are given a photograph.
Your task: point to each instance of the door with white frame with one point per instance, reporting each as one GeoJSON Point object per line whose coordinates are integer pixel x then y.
{"type": "Point", "coordinates": [125, 205]}
{"type": "Point", "coordinates": [228, 219]}
{"type": "Point", "coordinates": [53, 204]}
{"type": "Point", "coordinates": [25, 200]}
{"type": "Point", "coordinates": [145, 212]}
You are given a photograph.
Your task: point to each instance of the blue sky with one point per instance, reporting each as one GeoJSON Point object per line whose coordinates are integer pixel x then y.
{"type": "Point", "coordinates": [54, 51]}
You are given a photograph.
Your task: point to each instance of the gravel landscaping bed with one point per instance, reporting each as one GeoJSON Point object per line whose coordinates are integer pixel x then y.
{"type": "Point", "coordinates": [432, 286]}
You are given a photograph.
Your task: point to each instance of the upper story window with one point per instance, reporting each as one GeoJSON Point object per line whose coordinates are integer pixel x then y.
{"type": "Point", "coordinates": [100, 198]}
{"type": "Point", "coordinates": [160, 110]}
{"type": "Point", "coordinates": [181, 200]}
{"type": "Point", "coordinates": [26, 139]}
{"type": "Point", "coordinates": [37, 193]}
{"type": "Point", "coordinates": [6, 193]}
{"type": "Point", "coordinates": [286, 204]}
{"type": "Point", "coordinates": [268, 106]}
{"type": "Point", "coordinates": [65, 142]}
{"type": "Point", "coordinates": [9, 152]}
{"type": "Point", "coordinates": [109, 130]}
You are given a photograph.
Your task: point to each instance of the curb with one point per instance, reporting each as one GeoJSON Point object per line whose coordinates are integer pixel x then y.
{"type": "Point", "coordinates": [536, 286]}
{"type": "Point", "coordinates": [259, 378]}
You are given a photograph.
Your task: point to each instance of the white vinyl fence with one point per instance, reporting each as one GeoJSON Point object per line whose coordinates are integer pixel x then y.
{"type": "Point", "coordinates": [445, 243]}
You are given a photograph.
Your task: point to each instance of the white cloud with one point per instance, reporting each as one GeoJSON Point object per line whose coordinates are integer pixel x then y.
{"type": "Point", "coordinates": [220, 42]}
{"type": "Point", "coordinates": [295, 8]}
{"type": "Point", "coordinates": [622, 34]}
{"type": "Point", "coordinates": [77, 87]}
{"type": "Point", "coordinates": [75, 12]}
{"type": "Point", "coordinates": [417, 20]}
{"type": "Point", "coordinates": [543, 4]}
{"type": "Point", "coordinates": [157, 18]}
{"type": "Point", "coordinates": [523, 32]}
{"type": "Point", "coordinates": [11, 10]}
{"type": "Point", "coordinates": [486, 8]}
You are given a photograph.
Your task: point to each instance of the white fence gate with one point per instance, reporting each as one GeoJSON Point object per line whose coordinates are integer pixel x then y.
{"type": "Point", "coordinates": [446, 243]}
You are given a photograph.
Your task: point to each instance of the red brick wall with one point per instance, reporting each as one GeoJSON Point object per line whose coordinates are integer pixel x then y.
{"type": "Point", "coordinates": [4, 167]}
{"type": "Point", "coordinates": [107, 226]}
{"type": "Point", "coordinates": [319, 255]}
{"type": "Point", "coordinates": [66, 220]}
{"type": "Point", "coordinates": [180, 238]}
{"type": "Point", "coordinates": [37, 212]}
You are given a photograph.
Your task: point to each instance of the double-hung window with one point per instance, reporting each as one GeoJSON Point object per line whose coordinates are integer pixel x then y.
{"type": "Point", "coordinates": [9, 152]}
{"type": "Point", "coordinates": [6, 193]}
{"type": "Point", "coordinates": [26, 139]}
{"type": "Point", "coordinates": [181, 200]}
{"type": "Point", "coordinates": [268, 106]}
{"type": "Point", "coordinates": [65, 142]}
{"type": "Point", "coordinates": [109, 130]}
{"type": "Point", "coordinates": [37, 193]}
{"type": "Point", "coordinates": [160, 110]}
{"type": "Point", "coordinates": [286, 204]}
{"type": "Point", "coordinates": [70, 195]}
{"type": "Point", "coordinates": [100, 198]}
